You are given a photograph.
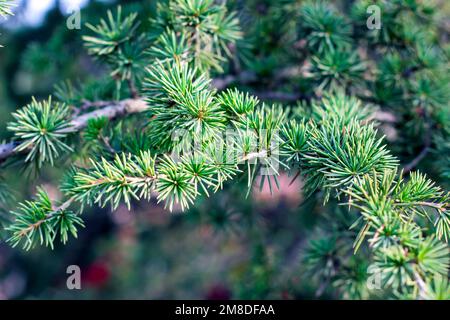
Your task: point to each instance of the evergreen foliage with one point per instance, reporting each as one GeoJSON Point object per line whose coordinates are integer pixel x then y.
{"type": "Point", "coordinates": [192, 140]}
{"type": "Point", "coordinates": [5, 8]}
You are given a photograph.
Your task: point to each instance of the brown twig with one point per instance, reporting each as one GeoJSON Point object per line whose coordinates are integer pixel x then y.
{"type": "Point", "coordinates": [248, 77]}
{"type": "Point", "coordinates": [112, 110]}
{"type": "Point", "coordinates": [421, 285]}
{"type": "Point", "coordinates": [279, 96]}
{"type": "Point", "coordinates": [133, 90]}
{"type": "Point", "coordinates": [426, 148]}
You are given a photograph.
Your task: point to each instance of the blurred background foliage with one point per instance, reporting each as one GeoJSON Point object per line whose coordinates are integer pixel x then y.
{"type": "Point", "coordinates": [227, 246]}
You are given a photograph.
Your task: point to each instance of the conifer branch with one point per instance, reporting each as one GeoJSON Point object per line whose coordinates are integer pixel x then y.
{"type": "Point", "coordinates": [110, 110]}
{"type": "Point", "coordinates": [5, 8]}
{"type": "Point", "coordinates": [330, 140]}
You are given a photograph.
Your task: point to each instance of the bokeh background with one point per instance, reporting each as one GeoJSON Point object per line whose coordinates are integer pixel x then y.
{"type": "Point", "coordinates": [229, 246]}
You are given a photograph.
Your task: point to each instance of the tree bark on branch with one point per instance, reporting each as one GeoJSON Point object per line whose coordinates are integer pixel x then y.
{"type": "Point", "coordinates": [117, 109]}
{"type": "Point", "coordinates": [112, 110]}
